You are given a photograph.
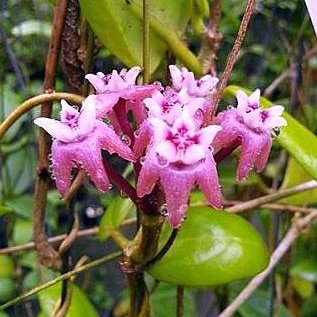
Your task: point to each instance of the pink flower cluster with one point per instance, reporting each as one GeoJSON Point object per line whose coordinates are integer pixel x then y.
{"type": "Point", "coordinates": [172, 141]}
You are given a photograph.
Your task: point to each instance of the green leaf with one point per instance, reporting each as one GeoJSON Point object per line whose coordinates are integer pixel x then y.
{"type": "Point", "coordinates": [80, 304]}
{"type": "Point", "coordinates": [300, 143]}
{"type": "Point", "coordinates": [5, 210]}
{"type": "Point", "coordinates": [303, 288]}
{"type": "Point", "coordinates": [305, 269]}
{"type": "Point", "coordinates": [295, 175]}
{"type": "Point", "coordinates": [7, 289]}
{"type": "Point", "coordinates": [118, 24]}
{"type": "Point", "coordinates": [7, 266]}
{"type": "Point", "coordinates": [22, 205]}
{"type": "Point", "coordinates": [22, 231]}
{"type": "Point", "coordinates": [117, 211]}
{"type": "Point", "coordinates": [211, 248]}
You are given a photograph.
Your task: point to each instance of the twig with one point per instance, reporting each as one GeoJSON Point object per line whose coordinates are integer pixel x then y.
{"type": "Point", "coordinates": [272, 197]}
{"type": "Point", "coordinates": [234, 52]}
{"type": "Point", "coordinates": [34, 102]}
{"type": "Point", "coordinates": [47, 254]}
{"type": "Point", "coordinates": [287, 73]}
{"type": "Point", "coordinates": [58, 239]}
{"type": "Point", "coordinates": [62, 277]}
{"type": "Point", "coordinates": [295, 230]}
{"type": "Point", "coordinates": [180, 301]}
{"type": "Point", "coordinates": [146, 41]}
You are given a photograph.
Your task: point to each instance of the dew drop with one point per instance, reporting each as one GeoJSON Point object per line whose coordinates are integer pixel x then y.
{"type": "Point", "coordinates": [125, 139]}
{"type": "Point", "coordinates": [50, 157]}
{"type": "Point", "coordinates": [162, 161]}
{"type": "Point", "coordinates": [50, 169]}
{"type": "Point", "coordinates": [142, 160]}
{"type": "Point", "coordinates": [136, 133]}
{"type": "Point", "coordinates": [53, 177]}
{"type": "Point", "coordinates": [163, 210]}
{"type": "Point", "coordinates": [230, 107]}
{"type": "Point", "coordinates": [110, 187]}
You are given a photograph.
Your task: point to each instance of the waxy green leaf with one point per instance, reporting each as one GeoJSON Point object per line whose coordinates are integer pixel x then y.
{"type": "Point", "coordinates": [80, 304]}
{"type": "Point", "coordinates": [299, 142]}
{"type": "Point", "coordinates": [118, 24]}
{"type": "Point", "coordinates": [211, 248]}
{"type": "Point", "coordinates": [116, 212]}
{"type": "Point", "coordinates": [295, 175]}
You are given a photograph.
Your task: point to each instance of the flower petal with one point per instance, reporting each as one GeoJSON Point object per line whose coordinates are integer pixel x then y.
{"type": "Point", "coordinates": [87, 118]}
{"type": "Point", "coordinates": [89, 157]}
{"type": "Point", "coordinates": [110, 141]}
{"type": "Point", "coordinates": [132, 74]}
{"type": "Point", "coordinates": [177, 186]}
{"type": "Point", "coordinates": [207, 180]}
{"type": "Point", "coordinates": [206, 135]}
{"type": "Point", "coordinates": [62, 164]}
{"type": "Point", "coordinates": [167, 150]}
{"type": "Point", "coordinates": [97, 82]}
{"type": "Point", "coordinates": [242, 99]}
{"type": "Point", "coordinates": [148, 176]}
{"type": "Point", "coordinates": [56, 129]}
{"type": "Point", "coordinates": [193, 154]}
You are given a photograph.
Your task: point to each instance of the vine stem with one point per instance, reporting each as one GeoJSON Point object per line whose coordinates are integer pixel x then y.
{"type": "Point", "coordinates": [146, 41]}
{"type": "Point", "coordinates": [62, 277]}
{"type": "Point", "coordinates": [298, 225]}
{"type": "Point", "coordinates": [272, 197]}
{"type": "Point", "coordinates": [234, 52]}
{"type": "Point", "coordinates": [34, 102]}
{"type": "Point", "coordinates": [56, 239]}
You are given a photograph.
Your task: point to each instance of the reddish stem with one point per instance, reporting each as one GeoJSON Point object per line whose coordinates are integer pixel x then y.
{"type": "Point", "coordinates": [126, 187]}
{"type": "Point", "coordinates": [122, 117]}
{"type": "Point", "coordinates": [47, 253]}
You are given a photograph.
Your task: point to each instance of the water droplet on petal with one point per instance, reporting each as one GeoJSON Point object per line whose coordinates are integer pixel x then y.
{"type": "Point", "coordinates": [142, 160]}
{"type": "Point", "coordinates": [199, 116]}
{"type": "Point", "coordinates": [50, 169]}
{"type": "Point", "coordinates": [49, 156]}
{"type": "Point", "coordinates": [162, 161]}
{"type": "Point", "coordinates": [230, 107]}
{"type": "Point", "coordinates": [163, 210]}
{"type": "Point", "coordinates": [136, 133]}
{"type": "Point", "coordinates": [125, 139]}
{"type": "Point", "coordinates": [53, 177]}
{"type": "Point", "coordinates": [110, 187]}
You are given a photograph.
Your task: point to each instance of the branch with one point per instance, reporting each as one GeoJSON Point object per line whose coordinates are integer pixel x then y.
{"type": "Point", "coordinates": [58, 239]}
{"type": "Point", "coordinates": [234, 52]}
{"type": "Point", "coordinates": [146, 41]}
{"type": "Point", "coordinates": [298, 225]}
{"type": "Point", "coordinates": [272, 197]}
{"type": "Point", "coordinates": [62, 277]}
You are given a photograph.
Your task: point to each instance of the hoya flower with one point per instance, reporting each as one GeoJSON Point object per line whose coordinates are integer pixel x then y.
{"type": "Point", "coordinates": [179, 157]}
{"type": "Point", "coordinates": [251, 127]}
{"type": "Point", "coordinates": [110, 88]}
{"type": "Point", "coordinates": [78, 139]}
{"type": "Point", "coordinates": [182, 79]}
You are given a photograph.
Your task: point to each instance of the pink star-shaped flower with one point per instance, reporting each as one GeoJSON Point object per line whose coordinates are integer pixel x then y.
{"type": "Point", "coordinates": [179, 157]}
{"type": "Point", "coordinates": [78, 139]}
{"type": "Point", "coordinates": [110, 88]}
{"type": "Point", "coordinates": [250, 126]}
